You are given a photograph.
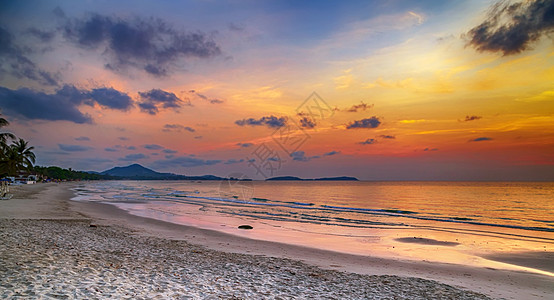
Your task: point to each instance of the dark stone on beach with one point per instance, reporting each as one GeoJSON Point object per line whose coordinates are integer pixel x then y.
{"type": "Point", "coordinates": [245, 227]}
{"type": "Point", "coordinates": [92, 225]}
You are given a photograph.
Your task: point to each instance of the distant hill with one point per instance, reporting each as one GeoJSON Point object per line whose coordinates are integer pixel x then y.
{"type": "Point", "coordinates": [293, 178]}
{"type": "Point", "coordinates": [135, 170]}
{"type": "Point", "coordinates": [340, 178]}
{"type": "Point", "coordinates": [284, 178]}
{"type": "Point", "coordinates": [138, 172]}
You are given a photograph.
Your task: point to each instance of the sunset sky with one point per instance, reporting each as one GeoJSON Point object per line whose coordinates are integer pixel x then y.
{"type": "Point", "coordinates": [380, 90]}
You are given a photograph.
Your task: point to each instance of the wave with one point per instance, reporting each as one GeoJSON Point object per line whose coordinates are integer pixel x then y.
{"type": "Point", "coordinates": [300, 211]}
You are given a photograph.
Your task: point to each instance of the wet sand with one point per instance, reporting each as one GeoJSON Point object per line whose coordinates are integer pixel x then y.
{"type": "Point", "coordinates": [49, 248]}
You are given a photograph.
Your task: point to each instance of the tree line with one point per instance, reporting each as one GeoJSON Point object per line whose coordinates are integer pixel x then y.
{"type": "Point", "coordinates": [18, 157]}
{"type": "Point", "coordinates": [15, 157]}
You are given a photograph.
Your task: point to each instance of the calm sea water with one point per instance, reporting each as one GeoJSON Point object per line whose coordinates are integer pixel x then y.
{"type": "Point", "coordinates": [445, 221]}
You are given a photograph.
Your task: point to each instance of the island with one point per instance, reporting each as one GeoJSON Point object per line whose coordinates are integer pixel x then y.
{"type": "Point", "coordinates": [293, 178]}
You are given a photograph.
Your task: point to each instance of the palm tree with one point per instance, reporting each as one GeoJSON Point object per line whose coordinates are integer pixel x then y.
{"type": "Point", "coordinates": [6, 165]}
{"type": "Point", "coordinates": [4, 136]}
{"type": "Point", "coordinates": [24, 155]}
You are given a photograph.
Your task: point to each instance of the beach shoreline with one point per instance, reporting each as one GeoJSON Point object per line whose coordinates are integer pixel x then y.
{"type": "Point", "coordinates": [51, 204]}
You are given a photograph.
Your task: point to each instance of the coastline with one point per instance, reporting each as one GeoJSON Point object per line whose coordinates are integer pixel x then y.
{"type": "Point", "coordinates": [49, 203]}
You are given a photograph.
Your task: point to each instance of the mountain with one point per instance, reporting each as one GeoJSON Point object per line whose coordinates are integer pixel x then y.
{"type": "Point", "coordinates": [293, 178]}
{"type": "Point", "coordinates": [136, 171]}
{"type": "Point", "coordinates": [284, 178]}
{"type": "Point", "coordinates": [340, 178]}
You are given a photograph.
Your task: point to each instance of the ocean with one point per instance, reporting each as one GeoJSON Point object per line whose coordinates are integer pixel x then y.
{"type": "Point", "coordinates": [451, 222]}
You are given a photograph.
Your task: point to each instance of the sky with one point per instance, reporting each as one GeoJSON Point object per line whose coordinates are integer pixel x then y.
{"type": "Point", "coordinates": [379, 90]}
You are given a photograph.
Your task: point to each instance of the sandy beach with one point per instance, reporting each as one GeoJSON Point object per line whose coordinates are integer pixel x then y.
{"type": "Point", "coordinates": [53, 247]}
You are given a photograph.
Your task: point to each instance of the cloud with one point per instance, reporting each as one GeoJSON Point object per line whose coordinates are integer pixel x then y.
{"type": "Point", "coordinates": [244, 145]}
{"type": "Point", "coordinates": [216, 101]}
{"type": "Point", "coordinates": [300, 156]}
{"type": "Point", "coordinates": [82, 138]}
{"type": "Point", "coordinates": [18, 64]}
{"type": "Point", "coordinates": [481, 139]}
{"type": "Point", "coordinates": [153, 147]}
{"type": "Point", "coordinates": [185, 162]}
{"type": "Point", "coordinates": [206, 98]}
{"type": "Point", "coordinates": [132, 148]}
{"type": "Point", "coordinates": [111, 98]}
{"type": "Point", "coordinates": [372, 122]}
{"type": "Point", "coordinates": [155, 99]}
{"type": "Point", "coordinates": [133, 157]}
{"type": "Point", "coordinates": [43, 35]}
{"type": "Point", "coordinates": [62, 105]}
{"type": "Point", "coordinates": [233, 161]}
{"type": "Point", "coordinates": [512, 28]}
{"type": "Point", "coordinates": [368, 142]}
{"type": "Point", "coordinates": [122, 138]}
{"type": "Point", "coordinates": [169, 151]}
{"type": "Point", "coordinates": [177, 127]}
{"type": "Point", "coordinates": [73, 148]}
{"type": "Point", "coordinates": [391, 137]}
{"type": "Point", "coordinates": [307, 122]}
{"type": "Point", "coordinates": [148, 44]}
{"type": "Point", "coordinates": [472, 118]}
{"type": "Point", "coordinates": [110, 149]}
{"type": "Point", "coordinates": [271, 121]}
{"type": "Point", "coordinates": [430, 149]}
{"type": "Point", "coordinates": [362, 106]}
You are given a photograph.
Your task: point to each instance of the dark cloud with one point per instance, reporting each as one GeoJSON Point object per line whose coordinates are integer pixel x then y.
{"type": "Point", "coordinates": [29, 104]}
{"type": "Point", "coordinates": [300, 156]}
{"type": "Point", "coordinates": [82, 138]}
{"type": "Point", "coordinates": [14, 60]}
{"type": "Point", "coordinates": [63, 105]}
{"type": "Point", "coordinates": [185, 162]}
{"type": "Point", "coordinates": [430, 149]}
{"type": "Point", "coordinates": [58, 12]}
{"type": "Point", "coordinates": [110, 149]}
{"type": "Point", "coordinates": [271, 121]}
{"type": "Point", "coordinates": [472, 118]}
{"type": "Point", "coordinates": [43, 35]}
{"type": "Point", "coordinates": [206, 98]}
{"type": "Point", "coordinates": [512, 28]}
{"type": "Point", "coordinates": [169, 151]}
{"type": "Point", "coordinates": [133, 157]}
{"type": "Point", "coordinates": [233, 161]}
{"type": "Point", "coordinates": [155, 99]}
{"type": "Point", "coordinates": [148, 44]}
{"type": "Point", "coordinates": [132, 148]}
{"type": "Point", "coordinates": [360, 107]}
{"type": "Point", "coordinates": [390, 137]}
{"type": "Point", "coordinates": [245, 145]}
{"type": "Point", "coordinates": [153, 147]}
{"type": "Point", "coordinates": [372, 122]}
{"type": "Point", "coordinates": [177, 127]}
{"type": "Point", "coordinates": [111, 98]}
{"type": "Point", "coordinates": [368, 142]}
{"type": "Point", "coordinates": [216, 101]}
{"type": "Point", "coordinates": [73, 148]}
{"type": "Point", "coordinates": [307, 122]}
{"type": "Point", "coordinates": [235, 27]}
{"type": "Point", "coordinates": [481, 139]}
